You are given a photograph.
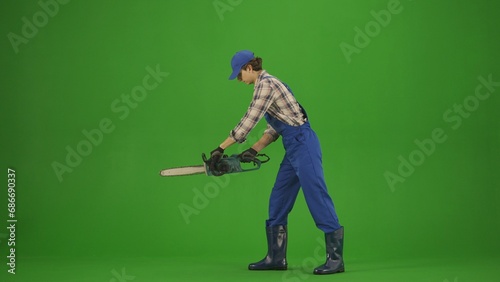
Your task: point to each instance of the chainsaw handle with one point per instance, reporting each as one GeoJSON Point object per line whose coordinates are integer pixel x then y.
{"type": "Point", "coordinates": [255, 160]}
{"type": "Point", "coordinates": [267, 158]}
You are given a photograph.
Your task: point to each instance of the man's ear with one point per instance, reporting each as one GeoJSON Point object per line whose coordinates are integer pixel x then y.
{"type": "Point", "coordinates": [249, 68]}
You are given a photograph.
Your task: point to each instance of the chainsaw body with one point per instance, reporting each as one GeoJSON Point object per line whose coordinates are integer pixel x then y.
{"type": "Point", "coordinates": [232, 164]}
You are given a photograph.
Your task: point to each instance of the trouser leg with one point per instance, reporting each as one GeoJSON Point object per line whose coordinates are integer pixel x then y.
{"type": "Point", "coordinates": [283, 194]}
{"type": "Point", "coordinates": [307, 161]}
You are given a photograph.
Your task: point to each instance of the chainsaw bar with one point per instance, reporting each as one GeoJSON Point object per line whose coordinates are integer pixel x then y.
{"type": "Point", "coordinates": [186, 170]}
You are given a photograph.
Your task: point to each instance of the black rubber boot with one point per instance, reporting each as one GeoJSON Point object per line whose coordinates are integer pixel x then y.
{"type": "Point", "coordinates": [334, 242]}
{"type": "Point", "coordinates": [276, 250]}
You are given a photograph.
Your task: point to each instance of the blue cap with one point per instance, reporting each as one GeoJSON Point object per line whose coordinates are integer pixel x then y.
{"type": "Point", "coordinates": [240, 59]}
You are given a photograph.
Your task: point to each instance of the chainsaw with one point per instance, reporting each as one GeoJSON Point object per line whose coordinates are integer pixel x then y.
{"type": "Point", "coordinates": [226, 165]}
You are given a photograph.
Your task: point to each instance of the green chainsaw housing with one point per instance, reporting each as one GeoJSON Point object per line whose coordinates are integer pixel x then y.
{"type": "Point", "coordinates": [232, 164]}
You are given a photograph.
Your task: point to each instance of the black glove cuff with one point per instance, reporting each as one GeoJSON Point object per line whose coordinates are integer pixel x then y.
{"type": "Point", "coordinates": [219, 149]}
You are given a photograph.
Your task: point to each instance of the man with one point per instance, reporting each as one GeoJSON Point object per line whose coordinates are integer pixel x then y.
{"type": "Point", "coordinates": [301, 165]}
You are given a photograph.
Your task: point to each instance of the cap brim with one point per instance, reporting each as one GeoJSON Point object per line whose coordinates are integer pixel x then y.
{"type": "Point", "coordinates": [234, 74]}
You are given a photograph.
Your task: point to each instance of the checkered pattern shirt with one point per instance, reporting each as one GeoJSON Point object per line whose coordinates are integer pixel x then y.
{"type": "Point", "coordinates": [271, 96]}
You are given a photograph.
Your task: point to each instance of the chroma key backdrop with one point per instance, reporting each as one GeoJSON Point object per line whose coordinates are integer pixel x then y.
{"type": "Point", "coordinates": [98, 96]}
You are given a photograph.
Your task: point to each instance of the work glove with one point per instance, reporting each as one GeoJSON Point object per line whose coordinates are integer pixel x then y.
{"type": "Point", "coordinates": [248, 155]}
{"type": "Point", "coordinates": [215, 157]}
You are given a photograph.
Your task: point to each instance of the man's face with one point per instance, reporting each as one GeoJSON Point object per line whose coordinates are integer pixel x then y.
{"type": "Point", "coordinates": [245, 76]}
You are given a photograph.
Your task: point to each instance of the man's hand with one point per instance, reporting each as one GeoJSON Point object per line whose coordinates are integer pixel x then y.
{"type": "Point", "coordinates": [248, 155]}
{"type": "Point", "coordinates": [215, 157]}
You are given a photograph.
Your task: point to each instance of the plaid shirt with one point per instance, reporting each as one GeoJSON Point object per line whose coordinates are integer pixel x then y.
{"type": "Point", "coordinates": [271, 96]}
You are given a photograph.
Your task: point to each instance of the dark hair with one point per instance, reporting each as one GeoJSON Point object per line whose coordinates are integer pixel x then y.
{"type": "Point", "coordinates": [256, 64]}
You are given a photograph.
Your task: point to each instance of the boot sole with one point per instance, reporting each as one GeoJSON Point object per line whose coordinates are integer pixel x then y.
{"type": "Point", "coordinates": [325, 273]}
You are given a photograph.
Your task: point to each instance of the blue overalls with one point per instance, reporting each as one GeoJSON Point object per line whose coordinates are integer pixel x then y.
{"type": "Point", "coordinates": [301, 167]}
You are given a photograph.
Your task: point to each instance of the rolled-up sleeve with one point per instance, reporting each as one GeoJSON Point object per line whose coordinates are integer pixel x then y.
{"type": "Point", "coordinates": [270, 130]}
{"type": "Point", "coordinates": [262, 99]}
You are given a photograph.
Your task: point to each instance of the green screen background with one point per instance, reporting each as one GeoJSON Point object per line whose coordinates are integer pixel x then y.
{"type": "Point", "coordinates": [366, 112]}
